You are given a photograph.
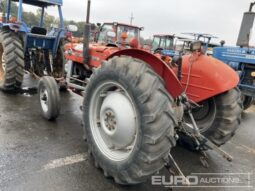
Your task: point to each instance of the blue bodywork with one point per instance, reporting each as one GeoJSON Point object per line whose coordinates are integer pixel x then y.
{"type": "Point", "coordinates": [171, 53]}
{"type": "Point", "coordinates": [41, 3]}
{"type": "Point", "coordinates": [241, 60]}
{"type": "Point", "coordinates": [164, 44]}
{"type": "Point", "coordinates": [48, 41]}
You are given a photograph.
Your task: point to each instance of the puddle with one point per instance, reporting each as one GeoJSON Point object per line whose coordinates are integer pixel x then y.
{"type": "Point", "coordinates": [28, 92]}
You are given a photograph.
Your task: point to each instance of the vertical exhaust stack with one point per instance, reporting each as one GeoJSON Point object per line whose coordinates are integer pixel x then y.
{"type": "Point", "coordinates": [86, 35]}
{"type": "Point", "coordinates": [246, 28]}
{"type": "Point", "coordinates": [251, 6]}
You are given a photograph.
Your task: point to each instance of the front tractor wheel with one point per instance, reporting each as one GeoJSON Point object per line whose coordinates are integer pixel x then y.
{"type": "Point", "coordinates": [49, 98]}
{"type": "Point", "coordinates": [219, 117]}
{"type": "Point", "coordinates": [11, 61]}
{"type": "Point", "coordinates": [128, 120]}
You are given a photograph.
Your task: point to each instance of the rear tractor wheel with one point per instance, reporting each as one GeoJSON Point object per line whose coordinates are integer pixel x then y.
{"type": "Point", "coordinates": [129, 123]}
{"type": "Point", "coordinates": [248, 101]}
{"type": "Point", "coordinates": [219, 117]}
{"type": "Point", "coordinates": [11, 61]}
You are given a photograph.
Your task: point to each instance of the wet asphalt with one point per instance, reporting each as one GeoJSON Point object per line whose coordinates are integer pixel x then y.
{"type": "Point", "coordinates": [37, 155]}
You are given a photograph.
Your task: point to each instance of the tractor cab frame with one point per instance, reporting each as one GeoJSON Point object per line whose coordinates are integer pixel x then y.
{"type": "Point", "coordinates": [163, 42]}
{"type": "Point", "coordinates": [118, 33]}
{"type": "Point", "coordinates": [36, 36]}
{"type": "Point", "coordinates": [206, 41]}
{"type": "Point", "coordinates": [164, 45]}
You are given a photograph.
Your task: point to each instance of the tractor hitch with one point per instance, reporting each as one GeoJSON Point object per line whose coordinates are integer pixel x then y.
{"type": "Point", "coordinates": [194, 140]}
{"type": "Point", "coordinates": [202, 142]}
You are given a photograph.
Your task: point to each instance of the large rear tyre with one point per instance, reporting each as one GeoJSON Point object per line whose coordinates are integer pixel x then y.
{"type": "Point", "coordinates": [11, 61]}
{"type": "Point", "coordinates": [248, 101]}
{"type": "Point", "coordinates": [128, 120]}
{"type": "Point", "coordinates": [49, 98]}
{"type": "Point", "coordinates": [220, 116]}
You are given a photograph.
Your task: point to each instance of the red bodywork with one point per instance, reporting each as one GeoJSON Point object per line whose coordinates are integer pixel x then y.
{"type": "Point", "coordinates": [101, 52]}
{"type": "Point", "coordinates": [208, 76]}
{"type": "Point", "coordinates": [172, 84]}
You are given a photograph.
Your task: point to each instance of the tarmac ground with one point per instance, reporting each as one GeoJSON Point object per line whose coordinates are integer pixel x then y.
{"type": "Point", "coordinates": [37, 155]}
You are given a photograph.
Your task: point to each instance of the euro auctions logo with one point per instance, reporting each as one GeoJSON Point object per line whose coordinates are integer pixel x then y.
{"type": "Point", "coordinates": [207, 180]}
{"type": "Point", "coordinates": [174, 181]}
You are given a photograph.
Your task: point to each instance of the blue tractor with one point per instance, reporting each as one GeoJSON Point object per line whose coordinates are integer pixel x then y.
{"type": "Point", "coordinates": [242, 58]}
{"type": "Point", "coordinates": [164, 45]}
{"type": "Point", "coordinates": [206, 39]}
{"type": "Point", "coordinates": [35, 49]}
{"type": "Point", "coordinates": [172, 45]}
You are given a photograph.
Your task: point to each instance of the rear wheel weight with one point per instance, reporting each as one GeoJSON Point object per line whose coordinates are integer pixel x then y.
{"type": "Point", "coordinates": [120, 90]}
{"type": "Point", "coordinates": [49, 98]}
{"type": "Point", "coordinates": [11, 61]}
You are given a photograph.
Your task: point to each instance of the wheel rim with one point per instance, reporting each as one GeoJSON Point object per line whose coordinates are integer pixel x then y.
{"type": "Point", "coordinates": [205, 114]}
{"type": "Point", "coordinates": [44, 99]}
{"type": "Point", "coordinates": [2, 63]}
{"type": "Point", "coordinates": [113, 121]}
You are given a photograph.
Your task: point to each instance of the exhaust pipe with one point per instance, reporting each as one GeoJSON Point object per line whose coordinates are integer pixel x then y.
{"type": "Point", "coordinates": [251, 6]}
{"type": "Point", "coordinates": [86, 35]}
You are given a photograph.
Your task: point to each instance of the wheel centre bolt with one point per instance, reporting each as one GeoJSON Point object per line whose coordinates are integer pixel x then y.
{"type": "Point", "coordinates": [110, 121]}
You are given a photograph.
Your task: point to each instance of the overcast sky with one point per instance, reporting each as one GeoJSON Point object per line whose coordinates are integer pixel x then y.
{"type": "Point", "coordinates": [218, 17]}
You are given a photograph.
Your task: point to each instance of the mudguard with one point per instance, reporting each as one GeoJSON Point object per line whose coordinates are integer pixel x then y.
{"type": "Point", "coordinates": [208, 77]}
{"type": "Point", "coordinates": [172, 84]}
{"type": "Point", "coordinates": [17, 27]}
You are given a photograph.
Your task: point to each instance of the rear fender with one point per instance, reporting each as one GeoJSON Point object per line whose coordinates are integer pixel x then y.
{"type": "Point", "coordinates": [16, 27]}
{"type": "Point", "coordinates": [172, 84]}
{"type": "Point", "coordinates": [209, 77]}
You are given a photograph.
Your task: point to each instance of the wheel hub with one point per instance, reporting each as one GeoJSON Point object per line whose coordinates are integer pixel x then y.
{"type": "Point", "coordinates": [205, 115]}
{"type": "Point", "coordinates": [44, 100]}
{"type": "Point", "coordinates": [117, 120]}
{"type": "Point", "coordinates": [113, 121]}
{"type": "Point", "coordinates": [110, 120]}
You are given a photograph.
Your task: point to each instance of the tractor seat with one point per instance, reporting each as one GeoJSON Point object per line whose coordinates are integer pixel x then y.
{"type": "Point", "coordinates": [38, 30]}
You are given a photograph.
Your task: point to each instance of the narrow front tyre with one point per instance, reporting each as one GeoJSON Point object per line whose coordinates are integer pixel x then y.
{"type": "Point", "coordinates": [49, 98]}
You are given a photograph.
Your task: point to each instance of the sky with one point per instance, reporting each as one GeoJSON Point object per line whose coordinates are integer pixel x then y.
{"type": "Point", "coordinates": [221, 18]}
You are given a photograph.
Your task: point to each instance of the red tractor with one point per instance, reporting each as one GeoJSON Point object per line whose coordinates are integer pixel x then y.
{"type": "Point", "coordinates": [135, 103]}
{"type": "Point", "coordinates": [205, 83]}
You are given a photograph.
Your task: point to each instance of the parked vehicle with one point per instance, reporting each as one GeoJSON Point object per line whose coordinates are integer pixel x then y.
{"type": "Point", "coordinates": [34, 49]}
{"type": "Point", "coordinates": [195, 81]}
{"type": "Point", "coordinates": [242, 58]}
{"type": "Point", "coordinates": [171, 45]}
{"type": "Point", "coordinates": [134, 103]}
{"type": "Point", "coordinates": [206, 40]}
